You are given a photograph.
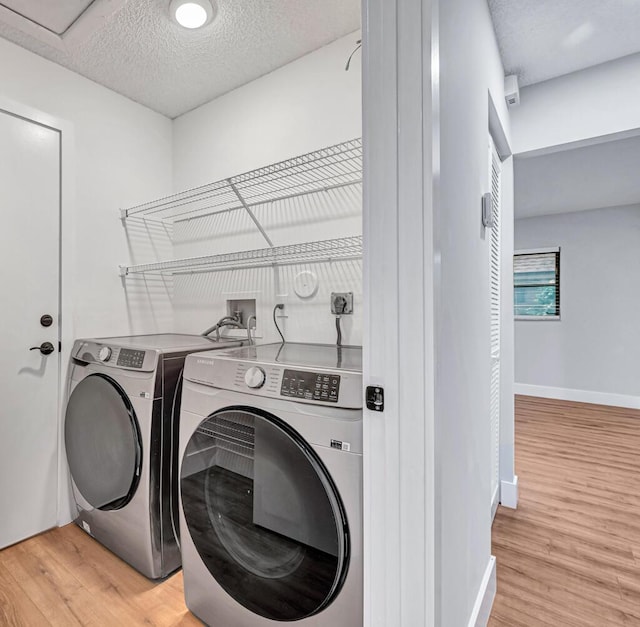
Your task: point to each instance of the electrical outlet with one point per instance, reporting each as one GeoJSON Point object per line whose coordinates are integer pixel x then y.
{"type": "Point", "coordinates": [341, 303]}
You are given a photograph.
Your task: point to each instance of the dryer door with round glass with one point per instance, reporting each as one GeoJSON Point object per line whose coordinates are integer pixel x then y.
{"type": "Point", "coordinates": [102, 440]}
{"type": "Point", "coordinates": [264, 514]}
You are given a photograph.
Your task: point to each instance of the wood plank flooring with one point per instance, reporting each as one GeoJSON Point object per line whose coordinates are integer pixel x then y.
{"type": "Point", "coordinates": [570, 554]}
{"type": "Point", "coordinates": [65, 578]}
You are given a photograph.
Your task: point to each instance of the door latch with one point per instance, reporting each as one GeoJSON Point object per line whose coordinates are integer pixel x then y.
{"type": "Point", "coordinates": [46, 348]}
{"type": "Point", "coordinates": [375, 398]}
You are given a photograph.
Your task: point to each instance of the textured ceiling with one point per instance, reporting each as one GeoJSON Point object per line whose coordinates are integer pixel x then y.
{"type": "Point", "coordinates": [589, 177]}
{"type": "Point", "coordinates": [140, 53]}
{"type": "Point", "coordinates": [54, 16]}
{"type": "Point", "coordinates": [542, 39]}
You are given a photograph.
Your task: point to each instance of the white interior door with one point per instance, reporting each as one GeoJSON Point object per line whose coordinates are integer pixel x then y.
{"type": "Point", "coordinates": [29, 262]}
{"type": "Point", "coordinates": [495, 269]}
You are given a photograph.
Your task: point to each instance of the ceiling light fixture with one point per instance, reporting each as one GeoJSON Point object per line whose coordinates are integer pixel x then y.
{"type": "Point", "coordinates": [192, 13]}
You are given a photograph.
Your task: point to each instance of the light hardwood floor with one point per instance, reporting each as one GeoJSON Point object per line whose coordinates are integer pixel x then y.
{"type": "Point", "coordinates": [570, 553]}
{"type": "Point", "coordinates": [65, 578]}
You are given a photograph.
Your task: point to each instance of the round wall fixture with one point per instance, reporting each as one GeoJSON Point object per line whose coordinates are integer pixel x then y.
{"type": "Point", "coordinates": [192, 13]}
{"type": "Point", "coordinates": [305, 284]}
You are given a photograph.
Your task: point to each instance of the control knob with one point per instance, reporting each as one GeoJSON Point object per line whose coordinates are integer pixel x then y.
{"type": "Point", "coordinates": [255, 377]}
{"type": "Point", "coordinates": [104, 354]}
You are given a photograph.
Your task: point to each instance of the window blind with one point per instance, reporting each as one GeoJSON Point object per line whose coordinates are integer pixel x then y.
{"type": "Point", "coordinates": [537, 284]}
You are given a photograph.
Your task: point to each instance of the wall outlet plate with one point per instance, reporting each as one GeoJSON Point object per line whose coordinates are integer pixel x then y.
{"type": "Point", "coordinates": [341, 303]}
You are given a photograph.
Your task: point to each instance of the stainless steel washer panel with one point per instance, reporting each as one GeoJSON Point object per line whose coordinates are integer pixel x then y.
{"type": "Point", "coordinates": [215, 383]}
{"type": "Point", "coordinates": [141, 532]}
{"type": "Point", "coordinates": [205, 597]}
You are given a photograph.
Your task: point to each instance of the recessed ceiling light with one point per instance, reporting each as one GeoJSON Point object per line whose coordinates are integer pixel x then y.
{"type": "Point", "coordinates": [192, 13]}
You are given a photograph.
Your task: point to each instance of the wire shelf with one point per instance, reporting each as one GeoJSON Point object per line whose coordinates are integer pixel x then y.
{"type": "Point", "coordinates": [319, 171]}
{"type": "Point", "coordinates": [308, 252]}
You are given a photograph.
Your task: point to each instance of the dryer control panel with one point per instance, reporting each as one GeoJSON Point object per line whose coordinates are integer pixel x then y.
{"type": "Point", "coordinates": [310, 385]}
{"type": "Point", "coordinates": [113, 356]}
{"type": "Point", "coordinates": [130, 358]}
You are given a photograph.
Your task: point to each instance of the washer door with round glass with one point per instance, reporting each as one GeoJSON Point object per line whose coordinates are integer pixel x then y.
{"type": "Point", "coordinates": [264, 514]}
{"type": "Point", "coordinates": [102, 440]}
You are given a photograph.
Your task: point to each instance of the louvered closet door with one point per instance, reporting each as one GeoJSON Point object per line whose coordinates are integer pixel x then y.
{"type": "Point", "coordinates": [495, 174]}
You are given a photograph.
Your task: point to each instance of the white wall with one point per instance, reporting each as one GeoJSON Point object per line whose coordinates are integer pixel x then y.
{"type": "Point", "coordinates": [470, 68]}
{"type": "Point", "coordinates": [595, 346]}
{"type": "Point", "coordinates": [121, 154]}
{"type": "Point", "coordinates": [309, 104]}
{"type": "Point", "coordinates": [607, 172]}
{"type": "Point", "coordinates": [595, 102]}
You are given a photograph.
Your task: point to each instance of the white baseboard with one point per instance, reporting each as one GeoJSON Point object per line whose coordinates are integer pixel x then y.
{"type": "Point", "coordinates": [509, 493]}
{"type": "Point", "coordinates": [579, 396]}
{"type": "Point", "coordinates": [486, 595]}
{"type": "Point", "coordinates": [495, 499]}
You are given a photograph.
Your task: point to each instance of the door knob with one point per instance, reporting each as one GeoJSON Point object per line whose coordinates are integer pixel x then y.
{"type": "Point", "coordinates": [46, 348]}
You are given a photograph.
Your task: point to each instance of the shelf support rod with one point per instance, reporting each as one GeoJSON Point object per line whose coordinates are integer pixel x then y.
{"type": "Point", "coordinates": [248, 210]}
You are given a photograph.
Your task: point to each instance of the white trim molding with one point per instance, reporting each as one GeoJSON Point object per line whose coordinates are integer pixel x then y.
{"type": "Point", "coordinates": [487, 593]}
{"type": "Point", "coordinates": [578, 396]}
{"type": "Point", "coordinates": [495, 500]}
{"type": "Point", "coordinates": [400, 125]}
{"type": "Point", "coordinates": [509, 493]}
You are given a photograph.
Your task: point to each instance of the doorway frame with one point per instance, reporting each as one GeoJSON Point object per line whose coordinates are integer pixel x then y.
{"type": "Point", "coordinates": [66, 263]}
{"type": "Point", "coordinates": [508, 480]}
{"type": "Point", "coordinates": [401, 279]}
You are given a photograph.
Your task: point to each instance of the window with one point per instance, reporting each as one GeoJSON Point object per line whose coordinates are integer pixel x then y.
{"type": "Point", "coordinates": [536, 290]}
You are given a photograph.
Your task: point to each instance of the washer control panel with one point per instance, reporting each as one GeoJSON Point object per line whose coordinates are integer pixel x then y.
{"type": "Point", "coordinates": [316, 386]}
{"type": "Point", "coordinates": [129, 358]}
{"type": "Point", "coordinates": [311, 385]}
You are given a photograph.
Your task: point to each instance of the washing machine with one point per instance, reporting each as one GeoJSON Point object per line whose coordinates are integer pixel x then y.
{"type": "Point", "coordinates": [121, 443]}
{"type": "Point", "coordinates": [271, 486]}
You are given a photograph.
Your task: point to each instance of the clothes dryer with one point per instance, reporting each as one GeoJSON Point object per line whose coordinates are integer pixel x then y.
{"type": "Point", "coordinates": [121, 434]}
{"type": "Point", "coordinates": [271, 486]}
